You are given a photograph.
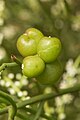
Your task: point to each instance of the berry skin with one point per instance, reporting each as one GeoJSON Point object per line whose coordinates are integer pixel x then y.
{"type": "Point", "coordinates": [27, 43]}
{"type": "Point", "coordinates": [33, 66]}
{"type": "Point", "coordinates": [26, 46]}
{"type": "Point", "coordinates": [34, 34]}
{"type": "Point", "coordinates": [51, 74]}
{"type": "Point", "coordinates": [49, 49]}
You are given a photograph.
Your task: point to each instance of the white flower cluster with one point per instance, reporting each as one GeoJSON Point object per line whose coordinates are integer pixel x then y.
{"type": "Point", "coordinates": [69, 79]}
{"type": "Point", "coordinates": [76, 22]}
{"type": "Point", "coordinates": [14, 84]}
{"type": "Point", "coordinates": [59, 8]}
{"type": "Point", "coordinates": [60, 105]}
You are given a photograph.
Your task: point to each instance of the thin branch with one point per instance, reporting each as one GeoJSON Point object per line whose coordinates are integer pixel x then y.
{"type": "Point", "coordinates": [5, 65]}
{"type": "Point", "coordinates": [15, 59]}
{"type": "Point", "coordinates": [21, 116]}
{"type": "Point", "coordinates": [43, 115]}
{"type": "Point", "coordinates": [48, 96]}
{"type": "Point", "coordinates": [12, 108]}
{"type": "Point", "coordinates": [4, 110]}
{"type": "Point", "coordinates": [77, 62]}
{"type": "Point", "coordinates": [38, 114]}
{"type": "Point", "coordinates": [44, 97]}
{"type": "Point", "coordinates": [2, 100]}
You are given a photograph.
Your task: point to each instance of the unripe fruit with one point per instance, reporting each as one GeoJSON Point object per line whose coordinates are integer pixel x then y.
{"type": "Point", "coordinates": [49, 48]}
{"type": "Point", "coordinates": [51, 74]}
{"type": "Point", "coordinates": [27, 43]}
{"type": "Point", "coordinates": [26, 46]}
{"type": "Point", "coordinates": [33, 66]}
{"type": "Point", "coordinates": [34, 33]}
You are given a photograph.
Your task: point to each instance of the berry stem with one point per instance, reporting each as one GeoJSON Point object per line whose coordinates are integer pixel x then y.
{"type": "Point", "coordinates": [15, 59]}
{"type": "Point", "coordinates": [5, 65]}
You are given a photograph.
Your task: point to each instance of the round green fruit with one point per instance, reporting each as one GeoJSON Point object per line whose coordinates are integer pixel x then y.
{"type": "Point", "coordinates": [49, 48]}
{"type": "Point", "coordinates": [27, 43]}
{"type": "Point", "coordinates": [33, 66]}
{"type": "Point", "coordinates": [26, 46]}
{"type": "Point", "coordinates": [51, 74]}
{"type": "Point", "coordinates": [34, 33]}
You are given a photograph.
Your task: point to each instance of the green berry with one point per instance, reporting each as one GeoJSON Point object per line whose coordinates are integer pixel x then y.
{"type": "Point", "coordinates": [49, 49]}
{"type": "Point", "coordinates": [33, 66]}
{"type": "Point", "coordinates": [27, 43]}
{"type": "Point", "coordinates": [51, 74]}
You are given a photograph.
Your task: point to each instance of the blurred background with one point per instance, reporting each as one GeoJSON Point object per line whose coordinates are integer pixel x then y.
{"type": "Point", "coordinates": [59, 18]}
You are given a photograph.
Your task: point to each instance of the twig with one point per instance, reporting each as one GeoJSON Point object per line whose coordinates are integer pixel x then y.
{"type": "Point", "coordinates": [5, 65]}
{"type": "Point", "coordinates": [15, 59]}
{"type": "Point", "coordinates": [77, 62]}
{"type": "Point", "coordinates": [23, 117]}
{"type": "Point", "coordinates": [12, 108]}
{"type": "Point", "coordinates": [39, 111]}
{"type": "Point", "coordinates": [43, 115]}
{"type": "Point", "coordinates": [48, 96]}
{"type": "Point", "coordinates": [44, 97]}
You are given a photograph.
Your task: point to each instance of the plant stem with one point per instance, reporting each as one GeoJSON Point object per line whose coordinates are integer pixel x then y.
{"type": "Point", "coordinates": [34, 111]}
{"type": "Point", "coordinates": [21, 116]}
{"type": "Point", "coordinates": [5, 65]}
{"type": "Point", "coordinates": [48, 96]}
{"type": "Point", "coordinates": [4, 110]}
{"type": "Point", "coordinates": [13, 108]}
{"type": "Point", "coordinates": [77, 62]}
{"type": "Point", "coordinates": [15, 59]}
{"type": "Point", "coordinates": [44, 97]}
{"type": "Point", "coordinates": [39, 111]}
{"type": "Point", "coordinates": [2, 100]}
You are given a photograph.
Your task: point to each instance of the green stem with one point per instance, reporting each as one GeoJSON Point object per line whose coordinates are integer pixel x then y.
{"type": "Point", "coordinates": [15, 59]}
{"type": "Point", "coordinates": [5, 65]}
{"type": "Point", "coordinates": [34, 111]}
{"type": "Point", "coordinates": [10, 112]}
{"type": "Point", "coordinates": [77, 62]}
{"type": "Point", "coordinates": [21, 116]}
{"type": "Point", "coordinates": [2, 100]}
{"type": "Point", "coordinates": [56, 88]}
{"type": "Point", "coordinates": [4, 110]}
{"type": "Point", "coordinates": [44, 97]}
{"type": "Point", "coordinates": [48, 96]}
{"type": "Point", "coordinates": [39, 111]}
{"type": "Point", "coordinates": [13, 108]}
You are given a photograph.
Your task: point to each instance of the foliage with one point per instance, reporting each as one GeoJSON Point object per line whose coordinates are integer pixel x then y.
{"type": "Point", "coordinates": [57, 18]}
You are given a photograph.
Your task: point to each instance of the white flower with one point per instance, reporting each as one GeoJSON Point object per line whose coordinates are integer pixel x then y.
{"type": "Point", "coordinates": [17, 83]}
{"type": "Point", "coordinates": [11, 90]}
{"type": "Point", "coordinates": [67, 98]}
{"type": "Point", "coordinates": [7, 84]}
{"type": "Point", "coordinates": [61, 116]}
{"type": "Point", "coordinates": [2, 82]}
{"type": "Point", "coordinates": [11, 75]}
{"type": "Point", "coordinates": [25, 93]}
{"type": "Point", "coordinates": [20, 94]}
{"type": "Point", "coordinates": [18, 76]}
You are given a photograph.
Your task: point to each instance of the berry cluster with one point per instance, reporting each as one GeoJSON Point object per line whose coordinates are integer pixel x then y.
{"type": "Point", "coordinates": [40, 56]}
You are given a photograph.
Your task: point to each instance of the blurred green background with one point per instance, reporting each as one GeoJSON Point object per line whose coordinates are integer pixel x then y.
{"type": "Point", "coordinates": [59, 18]}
